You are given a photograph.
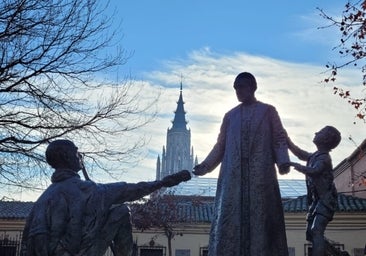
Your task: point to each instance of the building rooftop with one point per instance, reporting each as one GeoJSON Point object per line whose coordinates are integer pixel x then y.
{"type": "Point", "coordinates": [198, 186]}
{"type": "Point", "coordinates": [346, 203]}
{"type": "Point", "coordinates": [198, 209]}
{"type": "Point", "coordinates": [15, 209]}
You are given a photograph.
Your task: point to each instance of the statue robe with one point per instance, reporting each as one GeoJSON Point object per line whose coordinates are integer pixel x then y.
{"type": "Point", "coordinates": [249, 218]}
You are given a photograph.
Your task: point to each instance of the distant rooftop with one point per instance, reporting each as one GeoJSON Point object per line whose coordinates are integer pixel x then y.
{"type": "Point", "coordinates": [198, 186]}
{"type": "Point", "coordinates": [202, 210]}
{"type": "Point", "coordinates": [292, 188]}
{"type": "Point", "coordinates": [194, 209]}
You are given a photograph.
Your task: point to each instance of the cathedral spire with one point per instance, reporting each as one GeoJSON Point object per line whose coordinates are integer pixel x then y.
{"type": "Point", "coordinates": [177, 154]}
{"type": "Point", "coordinates": [179, 122]}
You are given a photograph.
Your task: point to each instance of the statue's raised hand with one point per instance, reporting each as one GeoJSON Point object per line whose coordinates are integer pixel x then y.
{"type": "Point", "coordinates": [200, 169]}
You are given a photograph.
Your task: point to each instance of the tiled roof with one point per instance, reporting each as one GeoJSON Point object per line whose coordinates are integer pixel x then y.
{"type": "Point", "coordinates": [172, 208]}
{"type": "Point", "coordinates": [15, 209]}
{"type": "Point", "coordinates": [198, 210]}
{"type": "Point", "coordinates": [346, 203]}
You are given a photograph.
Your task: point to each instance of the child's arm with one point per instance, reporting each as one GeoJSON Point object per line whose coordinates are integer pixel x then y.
{"type": "Point", "coordinates": [298, 152]}
{"type": "Point", "coordinates": [319, 165]}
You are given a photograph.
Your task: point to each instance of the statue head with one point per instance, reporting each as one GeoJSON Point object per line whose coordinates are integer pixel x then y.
{"type": "Point", "coordinates": [63, 154]}
{"type": "Point", "coordinates": [245, 85]}
{"type": "Point", "coordinates": [245, 79]}
{"type": "Point", "coordinates": [328, 138]}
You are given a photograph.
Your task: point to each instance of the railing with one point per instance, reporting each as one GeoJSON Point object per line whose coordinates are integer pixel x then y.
{"type": "Point", "coordinates": [10, 243]}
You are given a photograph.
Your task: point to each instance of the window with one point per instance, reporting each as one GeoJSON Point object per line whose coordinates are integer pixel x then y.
{"type": "Point", "coordinates": [8, 247]}
{"type": "Point", "coordinates": [180, 252]}
{"type": "Point", "coordinates": [291, 251]}
{"type": "Point", "coordinates": [151, 251]}
{"type": "Point", "coordinates": [203, 251]}
{"type": "Point", "coordinates": [358, 251]}
{"type": "Point", "coordinates": [10, 244]}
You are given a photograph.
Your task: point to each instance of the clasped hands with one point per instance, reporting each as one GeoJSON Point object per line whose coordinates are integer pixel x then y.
{"type": "Point", "coordinates": [296, 166]}
{"type": "Point", "coordinates": [176, 178]}
{"type": "Point", "coordinates": [200, 169]}
{"type": "Point", "coordinates": [285, 168]}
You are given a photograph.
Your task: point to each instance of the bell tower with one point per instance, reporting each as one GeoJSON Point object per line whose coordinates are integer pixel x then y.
{"type": "Point", "coordinates": [178, 154]}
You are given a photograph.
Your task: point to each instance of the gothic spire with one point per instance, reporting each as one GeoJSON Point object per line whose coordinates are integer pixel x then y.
{"type": "Point", "coordinates": [179, 122]}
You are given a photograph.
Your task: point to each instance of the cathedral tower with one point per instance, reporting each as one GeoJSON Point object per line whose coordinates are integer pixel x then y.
{"type": "Point", "coordinates": [178, 154]}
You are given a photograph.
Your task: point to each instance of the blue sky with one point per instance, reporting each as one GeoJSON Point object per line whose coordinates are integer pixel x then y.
{"type": "Point", "coordinates": [163, 30]}
{"type": "Point", "coordinates": [205, 44]}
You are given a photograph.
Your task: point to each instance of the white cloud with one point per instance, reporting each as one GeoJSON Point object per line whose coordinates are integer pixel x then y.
{"type": "Point", "coordinates": [304, 104]}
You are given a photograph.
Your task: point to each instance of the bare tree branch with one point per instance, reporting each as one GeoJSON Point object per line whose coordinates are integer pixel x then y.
{"type": "Point", "coordinates": [352, 49]}
{"type": "Point", "coordinates": [51, 53]}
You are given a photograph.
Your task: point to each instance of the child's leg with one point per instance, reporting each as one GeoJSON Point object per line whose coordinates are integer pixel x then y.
{"type": "Point", "coordinates": [317, 232]}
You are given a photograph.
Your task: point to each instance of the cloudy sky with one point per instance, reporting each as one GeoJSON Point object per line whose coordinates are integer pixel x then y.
{"type": "Point", "coordinates": [205, 44]}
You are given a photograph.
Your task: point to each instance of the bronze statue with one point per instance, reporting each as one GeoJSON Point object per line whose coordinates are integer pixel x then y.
{"type": "Point", "coordinates": [80, 217]}
{"type": "Point", "coordinates": [249, 218]}
{"type": "Point", "coordinates": [322, 193]}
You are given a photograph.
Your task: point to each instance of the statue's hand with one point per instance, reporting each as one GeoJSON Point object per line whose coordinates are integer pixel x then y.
{"type": "Point", "coordinates": [200, 169]}
{"type": "Point", "coordinates": [176, 178]}
{"type": "Point", "coordinates": [284, 168]}
{"type": "Point", "coordinates": [298, 167]}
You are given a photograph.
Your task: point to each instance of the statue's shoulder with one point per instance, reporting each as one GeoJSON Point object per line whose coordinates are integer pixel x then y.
{"type": "Point", "coordinates": [233, 110]}
{"type": "Point", "coordinates": [264, 105]}
{"type": "Point", "coordinates": [260, 106]}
